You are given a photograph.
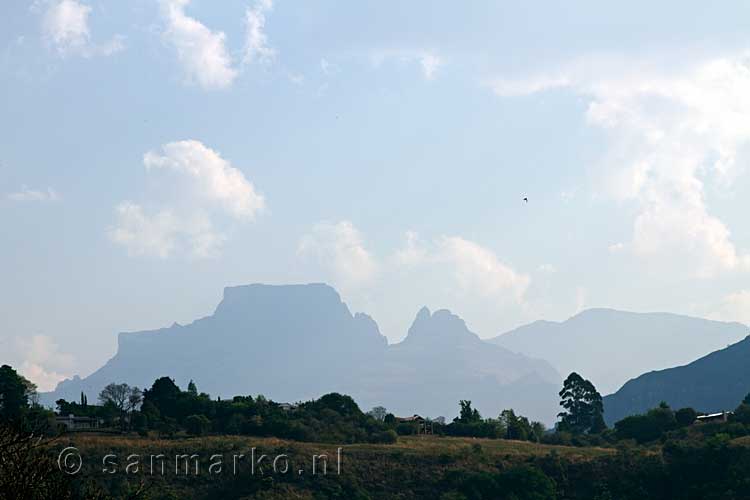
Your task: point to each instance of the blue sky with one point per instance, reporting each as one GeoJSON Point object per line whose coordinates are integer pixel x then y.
{"type": "Point", "coordinates": [153, 152]}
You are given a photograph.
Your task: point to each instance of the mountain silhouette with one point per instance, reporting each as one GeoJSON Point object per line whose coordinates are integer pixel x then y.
{"type": "Point", "coordinates": [440, 362]}
{"type": "Point", "coordinates": [713, 383]}
{"type": "Point", "coordinates": [297, 342]}
{"type": "Point", "coordinates": [610, 347]}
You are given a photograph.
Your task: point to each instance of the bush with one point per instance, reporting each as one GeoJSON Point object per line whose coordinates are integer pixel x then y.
{"type": "Point", "coordinates": [197, 425]}
{"type": "Point", "coordinates": [518, 483]}
{"type": "Point", "coordinates": [685, 416]}
{"type": "Point", "coordinates": [404, 429]}
{"type": "Point", "coordinates": [384, 437]}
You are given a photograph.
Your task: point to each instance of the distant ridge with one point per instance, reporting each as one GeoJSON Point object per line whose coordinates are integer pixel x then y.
{"type": "Point", "coordinates": [610, 347]}
{"type": "Point", "coordinates": [297, 342]}
{"type": "Point", "coordinates": [716, 382]}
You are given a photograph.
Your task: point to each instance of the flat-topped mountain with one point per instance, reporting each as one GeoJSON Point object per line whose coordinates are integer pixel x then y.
{"type": "Point", "coordinates": [610, 347]}
{"type": "Point", "coordinates": [297, 342]}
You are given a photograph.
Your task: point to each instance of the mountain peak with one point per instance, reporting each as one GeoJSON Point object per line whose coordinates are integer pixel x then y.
{"type": "Point", "coordinates": [257, 296]}
{"type": "Point", "coordinates": [442, 325]}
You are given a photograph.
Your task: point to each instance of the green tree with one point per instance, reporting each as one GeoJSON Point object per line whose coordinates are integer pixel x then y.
{"type": "Point", "coordinates": [163, 395]}
{"type": "Point", "coordinates": [512, 425]}
{"type": "Point", "coordinates": [538, 429]}
{"type": "Point", "coordinates": [685, 416]}
{"type": "Point", "coordinates": [340, 403]}
{"type": "Point", "coordinates": [584, 411]}
{"type": "Point", "coordinates": [191, 388]}
{"type": "Point", "coordinates": [378, 413]}
{"type": "Point", "coordinates": [14, 394]}
{"type": "Point", "coordinates": [468, 415]}
{"type": "Point", "coordinates": [197, 425]}
{"type": "Point", "coordinates": [649, 427]}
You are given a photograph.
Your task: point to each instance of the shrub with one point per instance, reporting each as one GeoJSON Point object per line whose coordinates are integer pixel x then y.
{"type": "Point", "coordinates": [385, 437]}
{"type": "Point", "coordinates": [197, 424]}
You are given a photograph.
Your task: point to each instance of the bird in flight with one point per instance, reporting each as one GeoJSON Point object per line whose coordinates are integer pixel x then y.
{"type": "Point", "coordinates": [526, 199]}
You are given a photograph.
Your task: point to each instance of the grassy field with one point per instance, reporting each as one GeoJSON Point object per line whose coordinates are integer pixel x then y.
{"type": "Point", "coordinates": [410, 468]}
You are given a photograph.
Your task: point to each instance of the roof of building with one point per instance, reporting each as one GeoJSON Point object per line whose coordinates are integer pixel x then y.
{"type": "Point", "coordinates": [410, 419]}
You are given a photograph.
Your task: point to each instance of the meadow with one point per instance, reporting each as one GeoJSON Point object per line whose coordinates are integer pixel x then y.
{"type": "Point", "coordinates": [210, 467]}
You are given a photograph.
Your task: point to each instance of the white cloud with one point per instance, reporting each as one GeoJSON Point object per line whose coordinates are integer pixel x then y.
{"type": "Point", "coordinates": [478, 270]}
{"type": "Point", "coordinates": [201, 52]}
{"type": "Point", "coordinates": [567, 195]}
{"type": "Point", "coordinates": [142, 234]}
{"type": "Point", "coordinates": [505, 87]}
{"type": "Point", "coordinates": [547, 268]}
{"type": "Point", "coordinates": [447, 271]}
{"type": "Point", "coordinates": [471, 268]}
{"type": "Point", "coordinates": [161, 233]}
{"type": "Point", "coordinates": [616, 247]}
{"type": "Point", "coordinates": [670, 133]}
{"type": "Point", "coordinates": [256, 41]}
{"type": "Point", "coordinates": [734, 307]}
{"type": "Point", "coordinates": [213, 177]}
{"type": "Point", "coordinates": [413, 252]}
{"type": "Point", "coordinates": [27, 194]}
{"type": "Point", "coordinates": [325, 66]}
{"type": "Point", "coordinates": [41, 361]}
{"type": "Point", "coordinates": [429, 62]}
{"type": "Point", "coordinates": [65, 25]}
{"type": "Point", "coordinates": [207, 187]}
{"type": "Point", "coordinates": [339, 247]}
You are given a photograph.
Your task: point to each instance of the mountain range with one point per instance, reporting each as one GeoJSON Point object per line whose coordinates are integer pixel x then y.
{"type": "Point", "coordinates": [610, 347]}
{"type": "Point", "coordinates": [297, 342]}
{"type": "Point", "coordinates": [713, 383]}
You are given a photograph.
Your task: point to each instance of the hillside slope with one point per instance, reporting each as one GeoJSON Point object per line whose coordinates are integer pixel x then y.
{"type": "Point", "coordinates": [716, 382]}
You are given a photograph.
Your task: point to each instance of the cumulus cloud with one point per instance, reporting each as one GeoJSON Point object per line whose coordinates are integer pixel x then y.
{"type": "Point", "coordinates": [40, 360]}
{"type": "Point", "coordinates": [413, 251]}
{"type": "Point", "coordinates": [669, 134]}
{"type": "Point", "coordinates": [506, 87]}
{"type": "Point", "coordinates": [472, 268]}
{"type": "Point", "coordinates": [478, 269]}
{"type": "Point", "coordinates": [429, 62]}
{"type": "Point", "coordinates": [65, 25]}
{"type": "Point", "coordinates": [214, 178]}
{"type": "Point", "coordinates": [339, 248]}
{"type": "Point", "coordinates": [201, 52]}
{"type": "Point", "coordinates": [547, 268]}
{"type": "Point", "coordinates": [451, 271]}
{"type": "Point", "coordinates": [256, 41]}
{"type": "Point", "coordinates": [208, 187]}
{"type": "Point", "coordinates": [446, 271]}
{"type": "Point", "coordinates": [734, 307]}
{"type": "Point", "coordinates": [27, 194]}
{"type": "Point", "coordinates": [161, 233]}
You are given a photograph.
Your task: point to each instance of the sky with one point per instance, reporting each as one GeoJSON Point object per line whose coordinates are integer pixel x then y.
{"type": "Point", "coordinates": [153, 152]}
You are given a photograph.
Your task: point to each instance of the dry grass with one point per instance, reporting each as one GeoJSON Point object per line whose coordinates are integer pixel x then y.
{"type": "Point", "coordinates": [410, 468]}
{"type": "Point", "coordinates": [427, 445]}
{"type": "Point", "coordinates": [411, 445]}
